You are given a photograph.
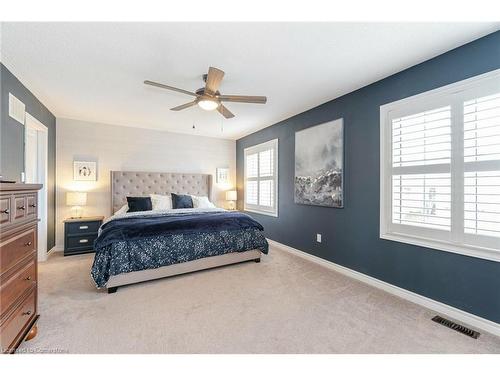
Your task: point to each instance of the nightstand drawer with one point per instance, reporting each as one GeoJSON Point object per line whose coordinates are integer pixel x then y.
{"type": "Point", "coordinates": [78, 242]}
{"type": "Point", "coordinates": [82, 227]}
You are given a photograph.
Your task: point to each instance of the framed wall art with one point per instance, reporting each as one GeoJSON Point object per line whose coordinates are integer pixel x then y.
{"type": "Point", "coordinates": [319, 165]}
{"type": "Point", "coordinates": [84, 171]}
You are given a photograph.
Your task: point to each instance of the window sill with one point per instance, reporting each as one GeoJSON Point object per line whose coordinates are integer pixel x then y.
{"type": "Point", "coordinates": [472, 251]}
{"type": "Point", "coordinates": [261, 212]}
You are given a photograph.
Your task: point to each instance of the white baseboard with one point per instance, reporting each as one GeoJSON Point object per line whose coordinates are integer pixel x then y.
{"type": "Point", "coordinates": [44, 257]}
{"type": "Point", "coordinates": [443, 309]}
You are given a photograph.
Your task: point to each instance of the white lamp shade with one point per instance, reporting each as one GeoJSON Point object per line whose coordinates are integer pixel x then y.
{"type": "Point", "coordinates": [231, 195]}
{"type": "Point", "coordinates": [75, 198]}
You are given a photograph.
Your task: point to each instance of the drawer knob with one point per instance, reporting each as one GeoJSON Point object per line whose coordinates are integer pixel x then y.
{"type": "Point", "coordinates": [6, 211]}
{"type": "Point", "coordinates": [28, 278]}
{"type": "Point", "coordinates": [21, 208]}
{"type": "Point", "coordinates": [83, 240]}
{"type": "Point", "coordinates": [84, 227]}
{"type": "Point", "coordinates": [33, 205]}
{"type": "Point", "coordinates": [27, 312]}
{"type": "Point", "coordinates": [28, 243]}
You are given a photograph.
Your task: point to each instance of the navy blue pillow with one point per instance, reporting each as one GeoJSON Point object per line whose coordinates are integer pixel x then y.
{"type": "Point", "coordinates": [139, 204]}
{"type": "Point", "coordinates": [181, 201]}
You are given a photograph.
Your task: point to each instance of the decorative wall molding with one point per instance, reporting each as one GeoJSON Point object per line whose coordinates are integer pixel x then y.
{"type": "Point", "coordinates": [441, 308]}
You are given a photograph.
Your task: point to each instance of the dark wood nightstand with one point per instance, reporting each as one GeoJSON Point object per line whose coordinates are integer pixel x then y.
{"type": "Point", "coordinates": [80, 233]}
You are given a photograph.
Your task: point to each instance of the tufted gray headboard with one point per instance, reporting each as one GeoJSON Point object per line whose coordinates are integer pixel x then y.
{"type": "Point", "coordinates": [138, 184]}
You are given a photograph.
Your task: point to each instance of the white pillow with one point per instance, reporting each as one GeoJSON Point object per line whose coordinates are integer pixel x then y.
{"type": "Point", "coordinates": [122, 210]}
{"type": "Point", "coordinates": [161, 202]}
{"type": "Point", "coordinates": [202, 202]}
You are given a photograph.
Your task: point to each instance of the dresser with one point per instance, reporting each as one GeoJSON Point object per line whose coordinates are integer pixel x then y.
{"type": "Point", "coordinates": [18, 264]}
{"type": "Point", "coordinates": [80, 234]}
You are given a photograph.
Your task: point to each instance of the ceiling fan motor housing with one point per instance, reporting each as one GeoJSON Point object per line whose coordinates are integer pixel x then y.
{"type": "Point", "coordinates": [201, 91]}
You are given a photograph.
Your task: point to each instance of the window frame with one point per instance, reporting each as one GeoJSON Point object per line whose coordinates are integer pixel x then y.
{"type": "Point", "coordinates": [264, 210]}
{"type": "Point", "coordinates": [453, 95]}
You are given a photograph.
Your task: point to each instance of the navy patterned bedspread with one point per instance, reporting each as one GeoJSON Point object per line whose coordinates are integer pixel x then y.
{"type": "Point", "coordinates": [140, 242]}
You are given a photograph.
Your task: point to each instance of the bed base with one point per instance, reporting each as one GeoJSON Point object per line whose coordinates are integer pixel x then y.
{"type": "Point", "coordinates": [180, 268]}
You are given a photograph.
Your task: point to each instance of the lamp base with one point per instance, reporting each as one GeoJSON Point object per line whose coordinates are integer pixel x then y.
{"type": "Point", "coordinates": [77, 212]}
{"type": "Point", "coordinates": [232, 205]}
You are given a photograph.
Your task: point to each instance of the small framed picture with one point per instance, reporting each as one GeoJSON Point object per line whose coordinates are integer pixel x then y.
{"type": "Point", "coordinates": [84, 171]}
{"type": "Point", "coordinates": [222, 176]}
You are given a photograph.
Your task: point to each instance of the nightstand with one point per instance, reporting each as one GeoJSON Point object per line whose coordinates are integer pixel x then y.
{"type": "Point", "coordinates": [80, 233]}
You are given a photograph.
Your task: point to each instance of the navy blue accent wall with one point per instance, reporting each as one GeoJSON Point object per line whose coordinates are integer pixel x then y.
{"type": "Point", "coordinates": [12, 141]}
{"type": "Point", "coordinates": [351, 235]}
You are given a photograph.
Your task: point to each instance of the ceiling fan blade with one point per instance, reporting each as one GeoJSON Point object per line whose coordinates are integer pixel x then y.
{"type": "Point", "coordinates": [225, 112]}
{"type": "Point", "coordinates": [214, 78]}
{"type": "Point", "coordinates": [243, 99]}
{"type": "Point", "coordinates": [184, 106]}
{"type": "Point", "coordinates": [162, 86]}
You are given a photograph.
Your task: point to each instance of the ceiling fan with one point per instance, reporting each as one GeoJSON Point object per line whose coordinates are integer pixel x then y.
{"type": "Point", "coordinates": [209, 97]}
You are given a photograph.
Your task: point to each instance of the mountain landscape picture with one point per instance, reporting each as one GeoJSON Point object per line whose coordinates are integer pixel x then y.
{"type": "Point", "coordinates": [319, 162]}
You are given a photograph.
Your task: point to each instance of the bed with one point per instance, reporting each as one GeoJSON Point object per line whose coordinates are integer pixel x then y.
{"type": "Point", "coordinates": [147, 245]}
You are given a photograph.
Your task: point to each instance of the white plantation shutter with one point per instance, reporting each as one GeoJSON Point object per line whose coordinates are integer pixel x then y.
{"type": "Point", "coordinates": [252, 165]}
{"type": "Point", "coordinates": [440, 168]}
{"type": "Point", "coordinates": [482, 203]}
{"type": "Point", "coordinates": [266, 193]}
{"type": "Point", "coordinates": [261, 178]}
{"type": "Point", "coordinates": [421, 178]}
{"type": "Point", "coordinates": [482, 129]}
{"type": "Point", "coordinates": [422, 200]}
{"type": "Point", "coordinates": [482, 169]}
{"type": "Point", "coordinates": [422, 139]}
{"type": "Point", "coordinates": [266, 160]}
{"type": "Point", "coordinates": [251, 192]}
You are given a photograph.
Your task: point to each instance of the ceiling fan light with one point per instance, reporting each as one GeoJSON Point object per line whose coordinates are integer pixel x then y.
{"type": "Point", "coordinates": [208, 104]}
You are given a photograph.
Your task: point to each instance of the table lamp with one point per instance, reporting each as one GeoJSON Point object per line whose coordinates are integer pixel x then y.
{"type": "Point", "coordinates": [76, 200]}
{"type": "Point", "coordinates": [232, 197]}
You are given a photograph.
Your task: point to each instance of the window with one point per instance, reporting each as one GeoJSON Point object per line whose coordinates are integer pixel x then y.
{"type": "Point", "coordinates": [261, 178]}
{"type": "Point", "coordinates": [440, 168]}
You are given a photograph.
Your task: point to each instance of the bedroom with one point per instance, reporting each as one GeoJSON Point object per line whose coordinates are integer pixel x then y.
{"type": "Point", "coordinates": [287, 188]}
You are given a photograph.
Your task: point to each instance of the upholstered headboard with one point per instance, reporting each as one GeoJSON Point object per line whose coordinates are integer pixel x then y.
{"type": "Point", "coordinates": [138, 184]}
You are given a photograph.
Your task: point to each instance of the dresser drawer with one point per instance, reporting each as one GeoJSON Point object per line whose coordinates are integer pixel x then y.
{"type": "Point", "coordinates": [19, 208]}
{"type": "Point", "coordinates": [17, 284]}
{"type": "Point", "coordinates": [17, 322]}
{"type": "Point", "coordinates": [31, 205]}
{"type": "Point", "coordinates": [16, 248]}
{"type": "Point", "coordinates": [5, 210]}
{"type": "Point", "coordinates": [84, 227]}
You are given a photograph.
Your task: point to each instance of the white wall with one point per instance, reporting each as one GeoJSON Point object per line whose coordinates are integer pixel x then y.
{"type": "Point", "coordinates": [125, 148]}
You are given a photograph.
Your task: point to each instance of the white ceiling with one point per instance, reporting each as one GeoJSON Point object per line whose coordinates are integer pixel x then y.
{"type": "Point", "coordinates": [94, 71]}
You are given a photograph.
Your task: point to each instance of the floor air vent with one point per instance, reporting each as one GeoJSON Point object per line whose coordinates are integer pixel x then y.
{"type": "Point", "coordinates": [455, 326]}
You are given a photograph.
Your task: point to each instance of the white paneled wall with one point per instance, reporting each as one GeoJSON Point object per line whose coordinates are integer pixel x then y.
{"type": "Point", "coordinates": [126, 148]}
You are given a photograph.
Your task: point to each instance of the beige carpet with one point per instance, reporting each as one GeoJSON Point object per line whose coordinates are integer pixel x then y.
{"type": "Point", "coordinates": [285, 304]}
